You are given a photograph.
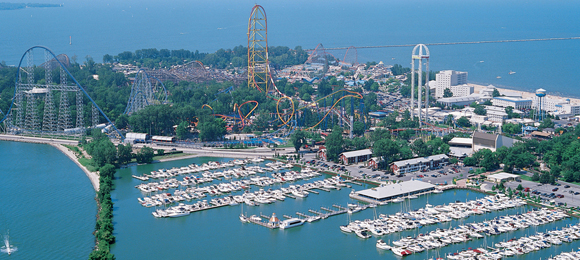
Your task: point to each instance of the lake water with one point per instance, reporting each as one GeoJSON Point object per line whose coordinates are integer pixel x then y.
{"type": "Point", "coordinates": [110, 27]}
{"type": "Point", "coordinates": [218, 233]}
{"type": "Point", "coordinates": [46, 202]}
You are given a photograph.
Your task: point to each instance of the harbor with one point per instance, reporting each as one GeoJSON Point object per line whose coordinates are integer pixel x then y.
{"type": "Point", "coordinates": [312, 219]}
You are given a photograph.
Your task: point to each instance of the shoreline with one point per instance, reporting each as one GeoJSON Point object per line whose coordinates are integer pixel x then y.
{"type": "Point", "coordinates": [524, 94]}
{"type": "Point", "coordinates": [93, 176]}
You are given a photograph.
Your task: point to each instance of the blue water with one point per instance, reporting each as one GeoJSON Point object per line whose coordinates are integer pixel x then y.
{"type": "Point", "coordinates": [218, 233]}
{"type": "Point", "coordinates": [110, 27]}
{"type": "Point", "coordinates": [46, 202]}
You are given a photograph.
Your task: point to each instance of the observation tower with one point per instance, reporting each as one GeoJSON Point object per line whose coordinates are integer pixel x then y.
{"type": "Point", "coordinates": [420, 53]}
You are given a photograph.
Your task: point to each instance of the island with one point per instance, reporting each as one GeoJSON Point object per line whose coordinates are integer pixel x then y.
{"type": "Point", "coordinates": [16, 6]}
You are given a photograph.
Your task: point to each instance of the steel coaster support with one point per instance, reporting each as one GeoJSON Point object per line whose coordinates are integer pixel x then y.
{"type": "Point", "coordinates": [80, 111]}
{"type": "Point", "coordinates": [64, 119]}
{"type": "Point", "coordinates": [95, 115]}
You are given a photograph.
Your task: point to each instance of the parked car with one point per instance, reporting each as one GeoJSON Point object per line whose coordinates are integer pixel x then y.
{"type": "Point", "coordinates": [555, 189]}
{"type": "Point", "coordinates": [566, 186]}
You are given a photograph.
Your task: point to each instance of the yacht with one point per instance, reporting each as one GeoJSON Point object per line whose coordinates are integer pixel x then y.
{"type": "Point", "coordinates": [398, 200]}
{"type": "Point", "coordinates": [177, 213]}
{"type": "Point", "coordinates": [362, 234]}
{"type": "Point", "coordinates": [290, 223]}
{"type": "Point", "coordinates": [383, 245]}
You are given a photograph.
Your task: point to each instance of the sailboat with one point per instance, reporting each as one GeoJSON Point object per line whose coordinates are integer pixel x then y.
{"type": "Point", "coordinates": [7, 248]}
{"type": "Point", "coordinates": [243, 217]}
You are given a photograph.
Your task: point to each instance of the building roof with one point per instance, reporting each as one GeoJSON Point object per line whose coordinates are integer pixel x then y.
{"type": "Point", "coordinates": [542, 134]}
{"type": "Point", "coordinates": [461, 141]}
{"type": "Point", "coordinates": [511, 99]}
{"type": "Point", "coordinates": [502, 176]}
{"type": "Point", "coordinates": [484, 136]}
{"type": "Point", "coordinates": [392, 190]}
{"type": "Point", "coordinates": [459, 99]}
{"type": "Point", "coordinates": [357, 153]}
{"type": "Point", "coordinates": [420, 160]}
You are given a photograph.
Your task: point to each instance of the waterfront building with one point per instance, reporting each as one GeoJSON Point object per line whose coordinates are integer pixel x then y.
{"type": "Point", "coordinates": [374, 162]}
{"type": "Point", "coordinates": [420, 163]}
{"type": "Point", "coordinates": [490, 141]}
{"type": "Point", "coordinates": [388, 192]}
{"type": "Point", "coordinates": [355, 156]}
{"type": "Point", "coordinates": [517, 103]}
{"type": "Point", "coordinates": [460, 101]}
{"type": "Point", "coordinates": [453, 80]}
{"type": "Point", "coordinates": [502, 177]}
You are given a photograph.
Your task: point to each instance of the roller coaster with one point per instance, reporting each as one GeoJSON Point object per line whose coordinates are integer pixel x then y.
{"type": "Point", "coordinates": [41, 86]}
{"type": "Point", "coordinates": [146, 90]}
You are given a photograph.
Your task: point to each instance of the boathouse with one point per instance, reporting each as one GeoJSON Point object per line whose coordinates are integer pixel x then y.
{"type": "Point", "coordinates": [388, 192]}
{"type": "Point", "coordinates": [355, 156]}
{"type": "Point", "coordinates": [374, 162]}
{"type": "Point", "coordinates": [321, 154]}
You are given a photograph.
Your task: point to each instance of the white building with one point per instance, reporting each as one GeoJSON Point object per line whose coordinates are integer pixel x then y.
{"type": "Point", "coordinates": [453, 80]}
{"type": "Point", "coordinates": [462, 101]}
{"type": "Point", "coordinates": [517, 103]}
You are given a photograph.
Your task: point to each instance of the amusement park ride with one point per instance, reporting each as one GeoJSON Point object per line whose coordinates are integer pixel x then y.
{"type": "Point", "coordinates": [41, 103]}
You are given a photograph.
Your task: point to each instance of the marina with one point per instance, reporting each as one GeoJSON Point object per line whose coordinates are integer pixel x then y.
{"type": "Point", "coordinates": [318, 215]}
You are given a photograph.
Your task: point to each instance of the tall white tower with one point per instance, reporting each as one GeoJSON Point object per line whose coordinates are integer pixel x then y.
{"type": "Point", "coordinates": [420, 52]}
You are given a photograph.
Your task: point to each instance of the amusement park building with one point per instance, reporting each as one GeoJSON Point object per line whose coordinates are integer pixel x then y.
{"type": "Point", "coordinates": [517, 103]}
{"type": "Point", "coordinates": [421, 163]}
{"type": "Point", "coordinates": [490, 141]}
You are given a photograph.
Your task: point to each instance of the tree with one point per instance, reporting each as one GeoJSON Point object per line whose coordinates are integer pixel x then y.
{"type": "Point", "coordinates": [181, 130]}
{"type": "Point", "coordinates": [535, 177]}
{"type": "Point", "coordinates": [298, 138]}
{"type": "Point", "coordinates": [480, 110]}
{"type": "Point", "coordinates": [213, 129]}
{"type": "Point", "coordinates": [546, 123]}
{"type": "Point", "coordinates": [447, 93]}
{"type": "Point", "coordinates": [387, 149]}
{"type": "Point", "coordinates": [160, 152]}
{"type": "Point", "coordinates": [124, 153]}
{"type": "Point", "coordinates": [520, 187]}
{"type": "Point", "coordinates": [358, 128]}
{"type": "Point", "coordinates": [122, 121]}
{"type": "Point", "coordinates": [510, 128]}
{"type": "Point", "coordinates": [334, 144]}
{"type": "Point", "coordinates": [306, 97]}
{"type": "Point", "coordinates": [107, 171]}
{"type": "Point", "coordinates": [495, 93]}
{"type": "Point", "coordinates": [469, 161]}
{"type": "Point", "coordinates": [145, 155]}
{"type": "Point", "coordinates": [463, 122]}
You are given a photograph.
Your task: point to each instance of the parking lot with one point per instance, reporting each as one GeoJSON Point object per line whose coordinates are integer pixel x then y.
{"type": "Point", "coordinates": [439, 176]}
{"type": "Point", "coordinates": [571, 194]}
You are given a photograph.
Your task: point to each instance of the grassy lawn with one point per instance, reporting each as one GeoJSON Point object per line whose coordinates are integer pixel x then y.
{"type": "Point", "coordinates": [525, 177]}
{"type": "Point", "coordinates": [88, 163]}
{"type": "Point", "coordinates": [73, 148]}
{"type": "Point", "coordinates": [166, 156]}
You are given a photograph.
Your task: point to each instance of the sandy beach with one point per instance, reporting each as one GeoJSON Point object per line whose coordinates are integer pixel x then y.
{"type": "Point", "coordinates": [529, 95]}
{"type": "Point", "coordinates": [93, 176]}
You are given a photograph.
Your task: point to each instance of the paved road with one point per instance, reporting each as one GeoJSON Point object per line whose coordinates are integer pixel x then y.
{"type": "Point", "coordinates": [18, 138]}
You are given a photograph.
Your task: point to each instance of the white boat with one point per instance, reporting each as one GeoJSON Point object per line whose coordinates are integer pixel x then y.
{"type": "Point", "coordinates": [437, 191]}
{"type": "Point", "coordinates": [363, 234]}
{"type": "Point", "coordinates": [313, 218]}
{"type": "Point", "coordinates": [177, 213]}
{"type": "Point", "coordinates": [382, 245]}
{"type": "Point", "coordinates": [243, 218]}
{"type": "Point", "coordinates": [512, 72]}
{"type": "Point", "coordinates": [397, 200]}
{"type": "Point", "coordinates": [290, 223]}
{"type": "Point", "coordinates": [346, 229]}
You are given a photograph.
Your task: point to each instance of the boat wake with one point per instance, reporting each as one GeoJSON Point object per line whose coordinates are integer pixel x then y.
{"type": "Point", "coordinates": [7, 248]}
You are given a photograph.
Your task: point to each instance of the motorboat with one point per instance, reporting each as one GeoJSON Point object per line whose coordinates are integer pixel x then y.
{"type": "Point", "coordinates": [362, 234]}
{"type": "Point", "coordinates": [290, 223]}
{"type": "Point", "coordinates": [383, 245]}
